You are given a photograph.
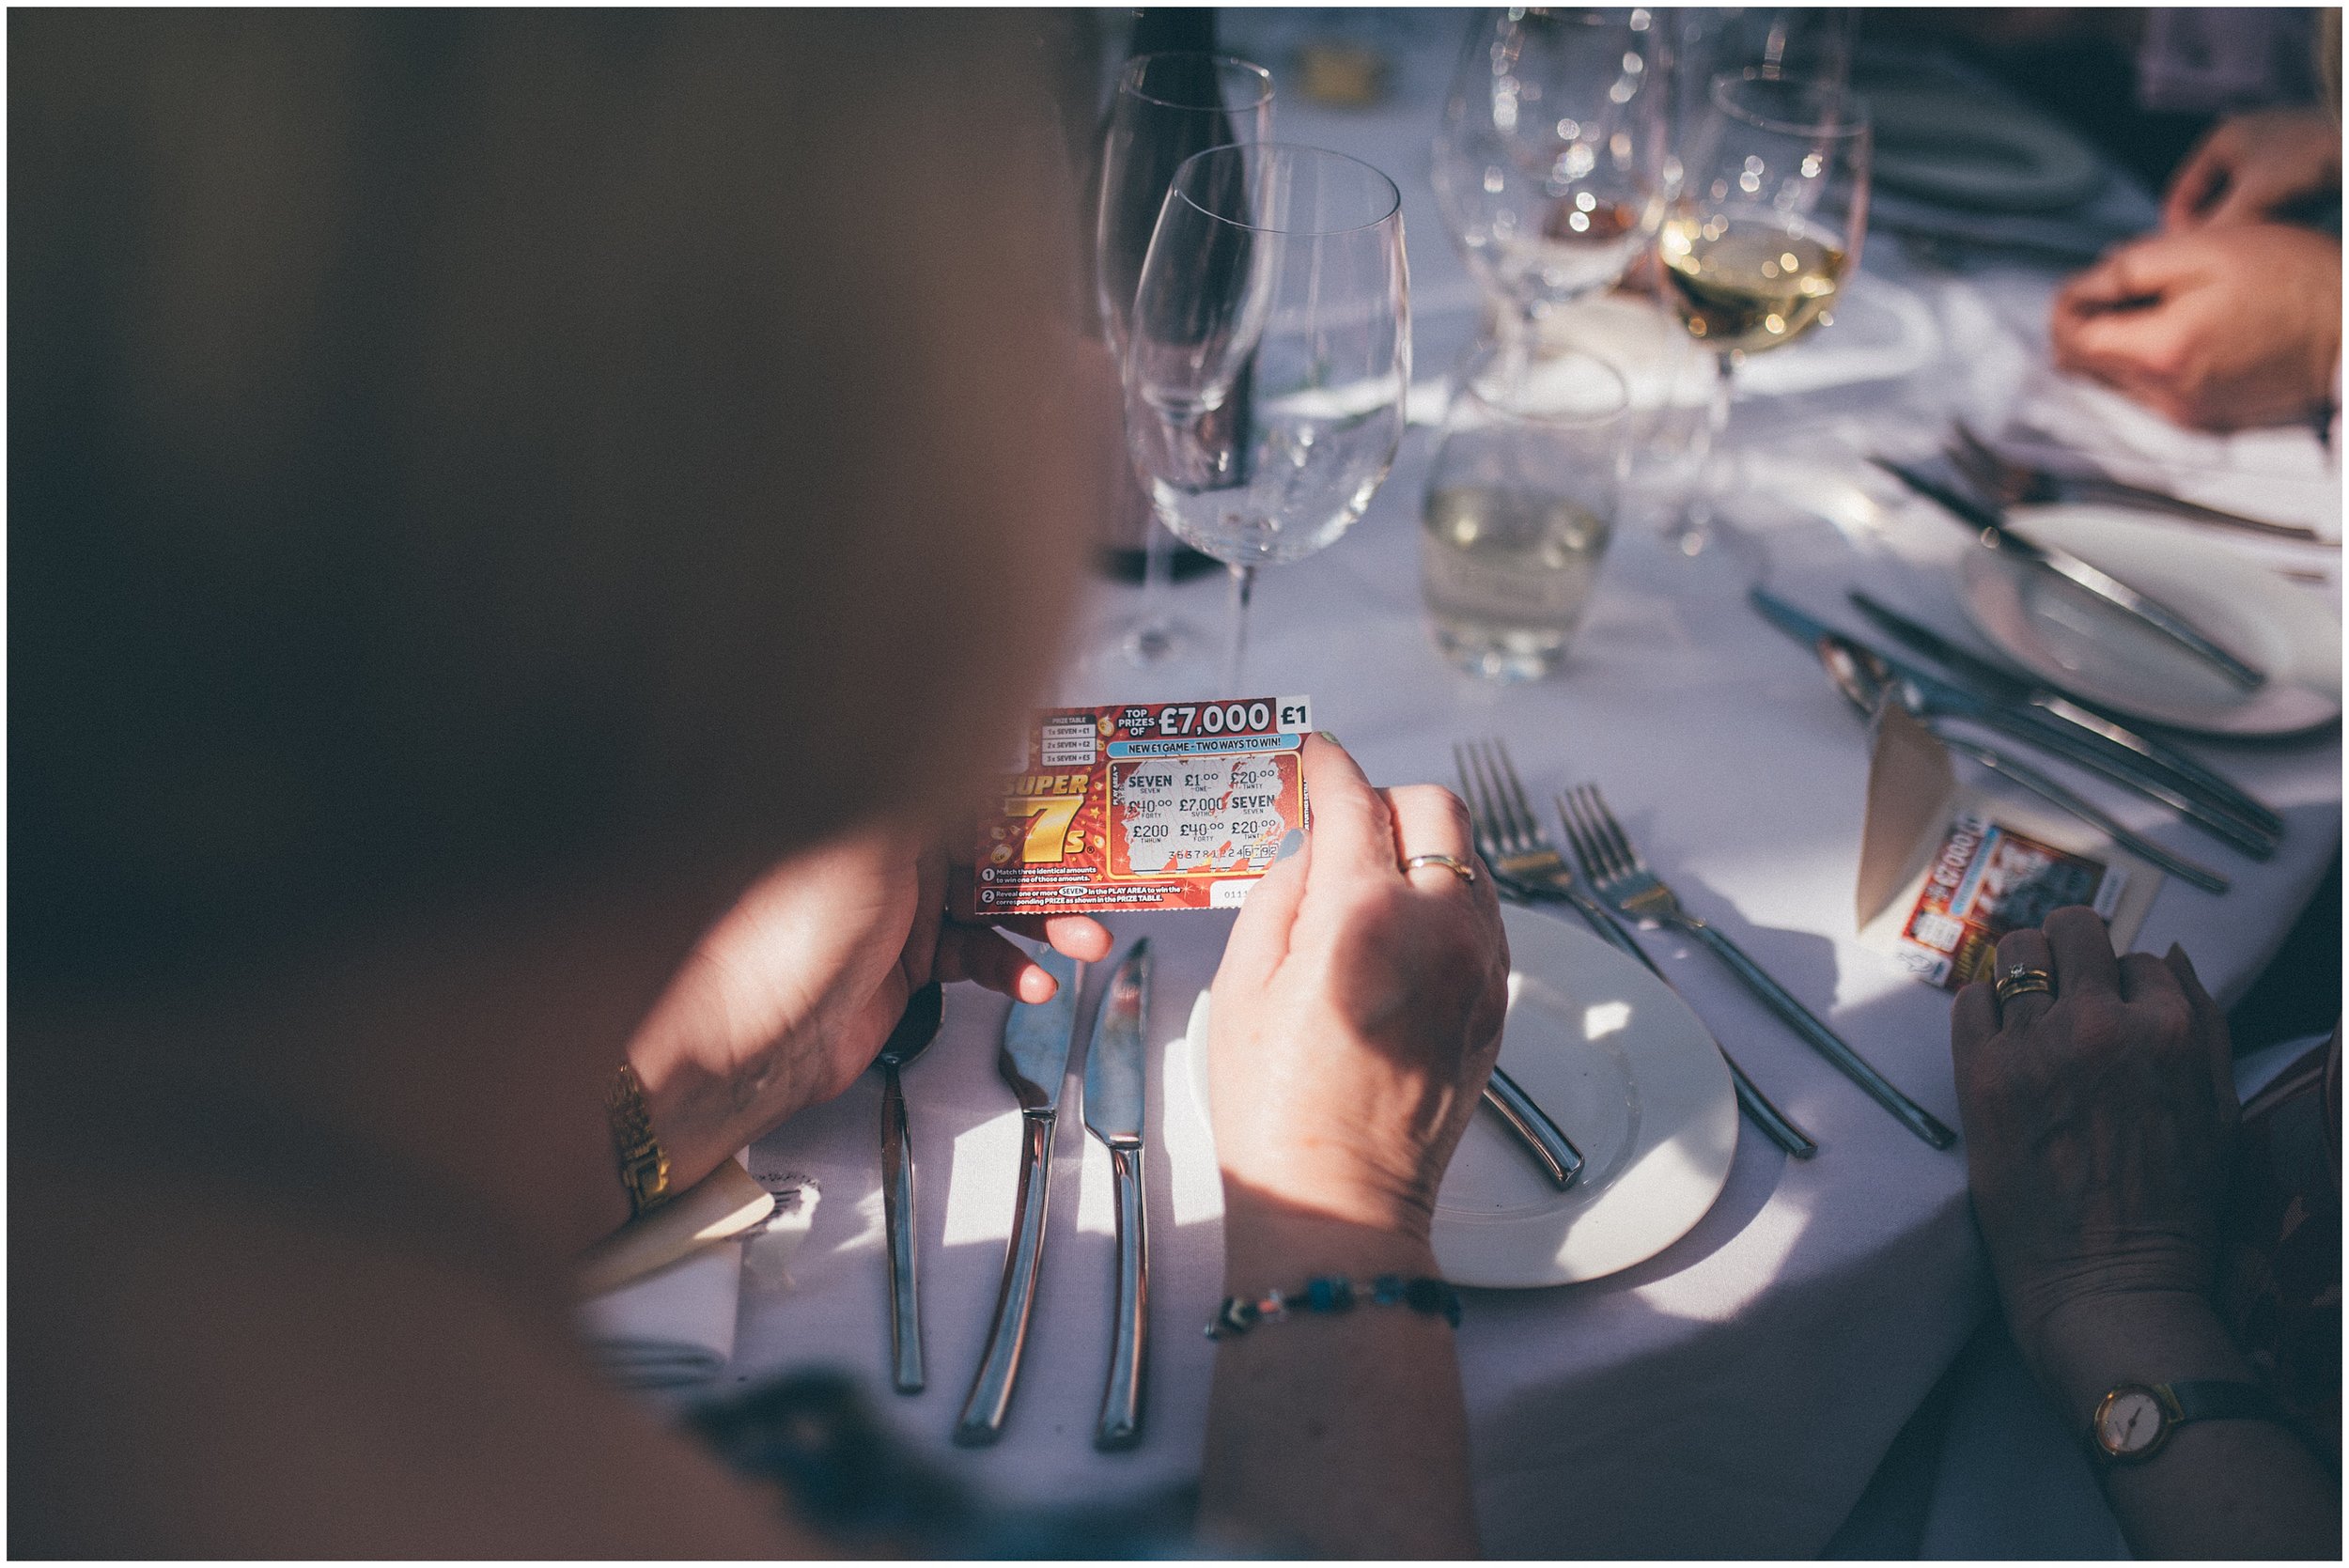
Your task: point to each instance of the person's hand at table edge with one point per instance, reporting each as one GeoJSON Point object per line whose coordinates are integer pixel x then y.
{"type": "Point", "coordinates": [2251, 168]}
{"type": "Point", "coordinates": [1356, 1015]}
{"type": "Point", "coordinates": [2099, 1103]}
{"type": "Point", "coordinates": [792, 993]}
{"type": "Point", "coordinates": [2221, 328]}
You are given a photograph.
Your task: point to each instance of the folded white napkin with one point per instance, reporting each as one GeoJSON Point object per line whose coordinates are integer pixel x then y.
{"type": "Point", "coordinates": [672, 1326]}
{"type": "Point", "coordinates": [2281, 475]}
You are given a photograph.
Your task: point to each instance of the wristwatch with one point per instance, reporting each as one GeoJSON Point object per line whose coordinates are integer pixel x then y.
{"type": "Point", "coordinates": [2133, 1422]}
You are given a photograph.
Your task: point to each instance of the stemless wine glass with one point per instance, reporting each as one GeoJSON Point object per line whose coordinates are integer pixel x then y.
{"type": "Point", "coordinates": [1270, 349]}
{"type": "Point", "coordinates": [1521, 497]}
{"type": "Point", "coordinates": [1765, 229]}
{"type": "Point", "coordinates": [1550, 162]}
{"type": "Point", "coordinates": [1168, 106]}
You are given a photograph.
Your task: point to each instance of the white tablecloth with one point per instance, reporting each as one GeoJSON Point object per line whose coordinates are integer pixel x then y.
{"type": "Point", "coordinates": [1731, 1395]}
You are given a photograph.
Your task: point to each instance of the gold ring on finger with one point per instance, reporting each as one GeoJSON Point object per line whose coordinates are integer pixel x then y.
{"type": "Point", "coordinates": [2021, 980]}
{"type": "Point", "coordinates": [1464, 872]}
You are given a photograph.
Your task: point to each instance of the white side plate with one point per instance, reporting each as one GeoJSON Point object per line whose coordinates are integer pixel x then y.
{"type": "Point", "coordinates": [1627, 1071]}
{"type": "Point", "coordinates": [2075, 641]}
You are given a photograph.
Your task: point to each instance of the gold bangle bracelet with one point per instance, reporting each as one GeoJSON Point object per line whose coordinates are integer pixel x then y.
{"type": "Point", "coordinates": [643, 1164]}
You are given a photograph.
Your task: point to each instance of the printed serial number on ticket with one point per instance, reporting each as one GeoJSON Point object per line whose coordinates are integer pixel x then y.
{"type": "Point", "coordinates": [1142, 806]}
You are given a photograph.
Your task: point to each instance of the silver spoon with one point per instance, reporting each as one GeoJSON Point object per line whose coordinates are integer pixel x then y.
{"type": "Point", "coordinates": [1867, 683]}
{"type": "Point", "coordinates": [916, 1027]}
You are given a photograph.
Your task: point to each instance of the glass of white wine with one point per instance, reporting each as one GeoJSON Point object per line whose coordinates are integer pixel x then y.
{"type": "Point", "coordinates": [1764, 230]}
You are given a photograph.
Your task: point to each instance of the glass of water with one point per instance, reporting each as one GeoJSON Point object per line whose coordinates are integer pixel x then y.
{"type": "Point", "coordinates": [1520, 504]}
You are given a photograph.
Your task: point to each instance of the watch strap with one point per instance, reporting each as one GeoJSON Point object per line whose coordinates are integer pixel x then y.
{"type": "Point", "coordinates": [2215, 1400]}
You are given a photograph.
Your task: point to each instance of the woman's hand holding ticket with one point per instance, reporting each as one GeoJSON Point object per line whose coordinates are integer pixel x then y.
{"type": "Point", "coordinates": [1357, 1011]}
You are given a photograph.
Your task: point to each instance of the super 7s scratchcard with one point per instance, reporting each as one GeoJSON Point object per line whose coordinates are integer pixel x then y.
{"type": "Point", "coordinates": [1142, 806]}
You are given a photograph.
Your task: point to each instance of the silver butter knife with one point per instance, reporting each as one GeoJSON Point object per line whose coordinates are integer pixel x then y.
{"type": "Point", "coordinates": [1033, 1061]}
{"type": "Point", "coordinates": [1114, 1064]}
{"type": "Point", "coordinates": [915, 1029]}
{"type": "Point", "coordinates": [1995, 683]}
{"type": "Point", "coordinates": [1870, 685]}
{"type": "Point", "coordinates": [2144, 608]}
{"type": "Point", "coordinates": [2073, 744]}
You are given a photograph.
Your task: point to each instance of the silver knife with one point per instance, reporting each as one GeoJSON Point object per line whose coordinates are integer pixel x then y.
{"type": "Point", "coordinates": [1033, 1061]}
{"type": "Point", "coordinates": [2144, 608]}
{"type": "Point", "coordinates": [2120, 493]}
{"type": "Point", "coordinates": [916, 1027]}
{"type": "Point", "coordinates": [1114, 1064]}
{"type": "Point", "coordinates": [2088, 750]}
{"type": "Point", "coordinates": [2002, 685]}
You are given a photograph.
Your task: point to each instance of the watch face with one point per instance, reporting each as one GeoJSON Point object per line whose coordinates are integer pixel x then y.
{"type": "Point", "coordinates": [2130, 1421]}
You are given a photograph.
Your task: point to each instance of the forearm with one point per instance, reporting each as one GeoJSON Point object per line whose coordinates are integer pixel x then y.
{"type": "Point", "coordinates": [2217, 1488]}
{"type": "Point", "coordinates": [1342, 1433]}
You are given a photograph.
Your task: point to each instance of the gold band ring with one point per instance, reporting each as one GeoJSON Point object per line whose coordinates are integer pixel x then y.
{"type": "Point", "coordinates": [2021, 980]}
{"type": "Point", "coordinates": [1466, 872]}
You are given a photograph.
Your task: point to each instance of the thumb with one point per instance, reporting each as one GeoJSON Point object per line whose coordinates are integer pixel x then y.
{"type": "Point", "coordinates": [2201, 178]}
{"type": "Point", "coordinates": [2210, 1024]}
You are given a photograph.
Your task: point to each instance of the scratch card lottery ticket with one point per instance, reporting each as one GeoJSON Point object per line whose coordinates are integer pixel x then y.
{"type": "Point", "coordinates": [1142, 806]}
{"type": "Point", "coordinates": [1987, 880]}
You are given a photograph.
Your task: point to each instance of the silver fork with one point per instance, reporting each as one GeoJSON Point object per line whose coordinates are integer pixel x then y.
{"type": "Point", "coordinates": [2013, 483]}
{"type": "Point", "coordinates": [1524, 860]}
{"type": "Point", "coordinates": [1623, 879]}
{"type": "Point", "coordinates": [1512, 844]}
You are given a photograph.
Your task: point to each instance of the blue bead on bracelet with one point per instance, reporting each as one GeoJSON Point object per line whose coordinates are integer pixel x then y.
{"type": "Point", "coordinates": [1326, 1293]}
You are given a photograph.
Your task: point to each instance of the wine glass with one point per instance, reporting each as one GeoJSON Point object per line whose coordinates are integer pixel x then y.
{"type": "Point", "coordinates": [1702, 42]}
{"type": "Point", "coordinates": [1270, 353]}
{"type": "Point", "coordinates": [1548, 165]}
{"type": "Point", "coordinates": [1763, 230]}
{"type": "Point", "coordinates": [1168, 106]}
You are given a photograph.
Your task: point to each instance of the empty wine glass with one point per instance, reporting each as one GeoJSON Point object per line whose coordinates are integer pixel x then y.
{"type": "Point", "coordinates": [1549, 160]}
{"type": "Point", "coordinates": [1812, 42]}
{"type": "Point", "coordinates": [1766, 227]}
{"type": "Point", "coordinates": [1168, 106]}
{"type": "Point", "coordinates": [1268, 357]}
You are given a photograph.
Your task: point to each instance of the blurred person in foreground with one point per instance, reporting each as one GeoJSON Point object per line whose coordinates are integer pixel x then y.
{"type": "Point", "coordinates": [514, 519]}
{"type": "Point", "coordinates": [2229, 317]}
{"type": "Point", "coordinates": [2147, 1232]}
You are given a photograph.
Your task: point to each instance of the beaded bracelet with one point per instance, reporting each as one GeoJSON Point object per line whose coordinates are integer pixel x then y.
{"type": "Point", "coordinates": [1329, 1294]}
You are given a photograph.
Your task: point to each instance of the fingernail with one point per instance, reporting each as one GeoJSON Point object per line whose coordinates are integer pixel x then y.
{"type": "Point", "coordinates": [1330, 736]}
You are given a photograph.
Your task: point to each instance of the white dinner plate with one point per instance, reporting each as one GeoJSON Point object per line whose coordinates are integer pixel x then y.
{"type": "Point", "coordinates": [2072, 641]}
{"type": "Point", "coordinates": [1627, 1071]}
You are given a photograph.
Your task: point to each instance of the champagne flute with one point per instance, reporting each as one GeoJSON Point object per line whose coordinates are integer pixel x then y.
{"type": "Point", "coordinates": [1168, 106]}
{"type": "Point", "coordinates": [1548, 165]}
{"type": "Point", "coordinates": [1270, 355]}
{"type": "Point", "coordinates": [1764, 228]}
